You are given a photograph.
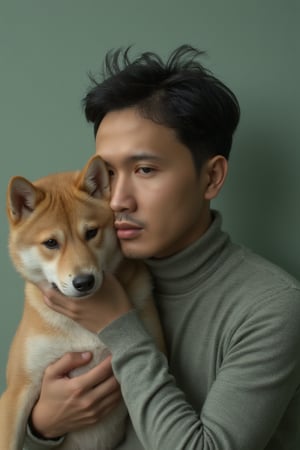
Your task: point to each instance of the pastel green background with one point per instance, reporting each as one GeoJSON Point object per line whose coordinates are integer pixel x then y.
{"type": "Point", "coordinates": [48, 47]}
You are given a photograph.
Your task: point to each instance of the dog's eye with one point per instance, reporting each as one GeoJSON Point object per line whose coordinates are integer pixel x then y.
{"type": "Point", "coordinates": [51, 244]}
{"type": "Point", "coordinates": [91, 233]}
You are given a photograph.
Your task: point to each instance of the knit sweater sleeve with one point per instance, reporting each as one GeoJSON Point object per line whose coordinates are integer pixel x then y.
{"type": "Point", "coordinates": [253, 388]}
{"type": "Point", "coordinates": [33, 443]}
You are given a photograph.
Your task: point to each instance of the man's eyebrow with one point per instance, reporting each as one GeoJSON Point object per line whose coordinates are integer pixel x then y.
{"type": "Point", "coordinates": [145, 156]}
{"type": "Point", "coordinates": [138, 156]}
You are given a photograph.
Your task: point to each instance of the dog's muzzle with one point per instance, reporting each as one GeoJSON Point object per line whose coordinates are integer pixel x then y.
{"type": "Point", "coordinates": [84, 283]}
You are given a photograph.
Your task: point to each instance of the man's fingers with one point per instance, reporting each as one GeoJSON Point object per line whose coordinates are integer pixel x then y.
{"type": "Point", "coordinates": [107, 387]}
{"type": "Point", "coordinates": [98, 375]}
{"type": "Point", "coordinates": [70, 361]}
{"type": "Point", "coordinates": [98, 409]}
{"type": "Point", "coordinates": [109, 405]}
{"type": "Point", "coordinates": [64, 305]}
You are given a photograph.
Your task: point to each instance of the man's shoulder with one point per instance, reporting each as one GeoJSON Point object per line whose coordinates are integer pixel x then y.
{"type": "Point", "coordinates": [263, 279]}
{"type": "Point", "coordinates": [265, 300]}
{"type": "Point", "coordinates": [267, 271]}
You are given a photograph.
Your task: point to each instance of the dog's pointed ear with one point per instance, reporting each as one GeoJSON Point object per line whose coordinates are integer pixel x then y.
{"type": "Point", "coordinates": [94, 179]}
{"type": "Point", "coordinates": [22, 198]}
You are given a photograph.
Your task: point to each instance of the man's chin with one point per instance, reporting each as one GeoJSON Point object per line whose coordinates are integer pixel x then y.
{"type": "Point", "coordinates": [132, 252]}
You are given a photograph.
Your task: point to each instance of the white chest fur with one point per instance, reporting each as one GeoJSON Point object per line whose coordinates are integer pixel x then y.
{"type": "Point", "coordinates": [43, 350]}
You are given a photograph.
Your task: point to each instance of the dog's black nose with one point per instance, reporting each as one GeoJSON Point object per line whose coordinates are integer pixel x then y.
{"type": "Point", "coordinates": [84, 283]}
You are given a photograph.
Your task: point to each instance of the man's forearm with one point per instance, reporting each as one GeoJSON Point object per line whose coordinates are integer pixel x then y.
{"type": "Point", "coordinates": [232, 415]}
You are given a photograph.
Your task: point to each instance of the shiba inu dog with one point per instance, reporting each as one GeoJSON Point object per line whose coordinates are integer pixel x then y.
{"type": "Point", "coordinates": [62, 235]}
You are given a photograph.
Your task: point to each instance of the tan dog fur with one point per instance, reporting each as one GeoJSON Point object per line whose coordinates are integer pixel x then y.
{"type": "Point", "coordinates": [63, 207]}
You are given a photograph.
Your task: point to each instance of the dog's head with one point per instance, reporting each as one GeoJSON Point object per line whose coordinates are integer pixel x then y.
{"type": "Point", "coordinates": [61, 229]}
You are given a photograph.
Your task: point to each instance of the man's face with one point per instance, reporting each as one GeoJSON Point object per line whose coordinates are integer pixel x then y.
{"type": "Point", "coordinates": [157, 196]}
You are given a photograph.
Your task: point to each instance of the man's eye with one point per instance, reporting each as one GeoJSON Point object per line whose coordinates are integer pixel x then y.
{"type": "Point", "coordinates": [91, 233]}
{"type": "Point", "coordinates": [145, 170]}
{"type": "Point", "coordinates": [52, 244]}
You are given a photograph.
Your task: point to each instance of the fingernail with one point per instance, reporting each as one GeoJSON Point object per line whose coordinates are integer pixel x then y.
{"type": "Point", "coordinates": [86, 355]}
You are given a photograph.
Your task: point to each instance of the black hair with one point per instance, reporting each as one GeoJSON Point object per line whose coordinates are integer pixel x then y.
{"type": "Point", "coordinates": [180, 94]}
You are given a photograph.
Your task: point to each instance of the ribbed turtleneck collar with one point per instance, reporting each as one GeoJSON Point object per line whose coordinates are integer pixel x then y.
{"type": "Point", "coordinates": [182, 271]}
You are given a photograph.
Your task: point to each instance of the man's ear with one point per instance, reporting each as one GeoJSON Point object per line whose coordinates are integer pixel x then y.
{"type": "Point", "coordinates": [216, 171]}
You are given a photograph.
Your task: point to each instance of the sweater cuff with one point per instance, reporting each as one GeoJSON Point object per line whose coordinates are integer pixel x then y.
{"type": "Point", "coordinates": [33, 443]}
{"type": "Point", "coordinates": [125, 332]}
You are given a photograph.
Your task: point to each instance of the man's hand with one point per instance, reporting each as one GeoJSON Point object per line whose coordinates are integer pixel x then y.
{"type": "Point", "coordinates": [96, 311]}
{"type": "Point", "coordinates": [66, 404]}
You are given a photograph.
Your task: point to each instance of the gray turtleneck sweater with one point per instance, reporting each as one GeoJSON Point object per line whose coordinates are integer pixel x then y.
{"type": "Point", "coordinates": [231, 382]}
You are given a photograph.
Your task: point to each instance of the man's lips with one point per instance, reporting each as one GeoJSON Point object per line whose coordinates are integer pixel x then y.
{"type": "Point", "coordinates": [127, 230]}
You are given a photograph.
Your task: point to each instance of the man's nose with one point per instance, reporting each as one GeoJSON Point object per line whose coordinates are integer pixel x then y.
{"type": "Point", "coordinates": [122, 197]}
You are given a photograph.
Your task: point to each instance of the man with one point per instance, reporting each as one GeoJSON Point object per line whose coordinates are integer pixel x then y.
{"type": "Point", "coordinates": [231, 319]}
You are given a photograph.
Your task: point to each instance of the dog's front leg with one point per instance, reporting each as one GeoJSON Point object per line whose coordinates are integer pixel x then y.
{"type": "Point", "coordinates": [15, 407]}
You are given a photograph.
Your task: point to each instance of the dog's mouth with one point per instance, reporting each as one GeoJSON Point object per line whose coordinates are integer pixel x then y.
{"type": "Point", "coordinates": [76, 294]}
{"type": "Point", "coordinates": [55, 287]}
{"type": "Point", "coordinates": [79, 286]}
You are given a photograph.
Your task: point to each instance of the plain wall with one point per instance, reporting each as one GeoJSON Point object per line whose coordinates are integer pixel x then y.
{"type": "Point", "coordinates": [48, 47]}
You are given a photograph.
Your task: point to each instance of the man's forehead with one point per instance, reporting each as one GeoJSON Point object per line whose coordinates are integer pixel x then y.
{"type": "Point", "coordinates": [119, 121]}
{"type": "Point", "coordinates": [129, 156]}
{"type": "Point", "coordinates": [126, 135]}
